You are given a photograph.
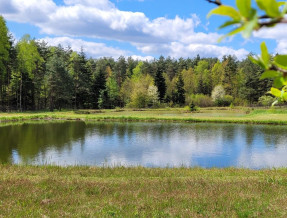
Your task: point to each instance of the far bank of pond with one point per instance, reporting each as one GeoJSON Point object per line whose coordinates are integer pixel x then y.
{"type": "Point", "coordinates": [277, 116]}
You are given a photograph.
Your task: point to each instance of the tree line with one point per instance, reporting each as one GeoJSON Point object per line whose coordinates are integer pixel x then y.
{"type": "Point", "coordinates": [35, 76]}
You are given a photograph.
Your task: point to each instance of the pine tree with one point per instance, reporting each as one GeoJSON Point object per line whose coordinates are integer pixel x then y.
{"type": "Point", "coordinates": [160, 84]}
{"type": "Point", "coordinates": [99, 82]}
{"type": "Point", "coordinates": [159, 79]}
{"type": "Point", "coordinates": [179, 94]}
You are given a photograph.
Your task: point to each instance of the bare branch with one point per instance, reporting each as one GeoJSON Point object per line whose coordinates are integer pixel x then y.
{"type": "Point", "coordinates": [217, 2]}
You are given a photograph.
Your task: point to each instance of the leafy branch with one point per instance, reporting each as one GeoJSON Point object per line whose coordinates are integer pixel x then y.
{"type": "Point", "coordinates": [245, 19]}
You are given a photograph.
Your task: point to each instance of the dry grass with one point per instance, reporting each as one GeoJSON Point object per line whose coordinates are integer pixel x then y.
{"type": "Point", "coordinates": [27, 191]}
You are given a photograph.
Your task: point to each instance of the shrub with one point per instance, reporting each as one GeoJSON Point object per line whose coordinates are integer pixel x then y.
{"type": "Point", "coordinates": [201, 100]}
{"type": "Point", "coordinates": [266, 100]}
{"type": "Point", "coordinates": [240, 102]}
{"type": "Point", "coordinates": [225, 101]}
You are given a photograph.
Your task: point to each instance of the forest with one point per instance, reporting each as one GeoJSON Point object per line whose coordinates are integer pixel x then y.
{"type": "Point", "coordinates": [35, 76]}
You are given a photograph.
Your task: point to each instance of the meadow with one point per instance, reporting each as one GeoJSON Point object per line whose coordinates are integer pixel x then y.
{"type": "Point", "coordinates": [220, 115]}
{"type": "Point", "coordinates": [49, 191]}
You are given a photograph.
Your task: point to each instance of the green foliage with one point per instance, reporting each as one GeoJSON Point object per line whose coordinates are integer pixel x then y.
{"type": "Point", "coordinates": [28, 56]}
{"type": "Point", "coordinates": [4, 46]}
{"type": "Point", "coordinates": [246, 20]}
{"type": "Point", "coordinates": [179, 94]}
{"type": "Point", "coordinates": [266, 100]}
{"type": "Point", "coordinates": [227, 100]}
{"type": "Point", "coordinates": [58, 80]}
{"type": "Point", "coordinates": [142, 92]}
{"type": "Point", "coordinates": [160, 81]}
{"type": "Point", "coordinates": [200, 100]}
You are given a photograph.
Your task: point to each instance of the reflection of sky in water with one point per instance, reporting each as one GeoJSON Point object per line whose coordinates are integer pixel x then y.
{"type": "Point", "coordinates": [161, 145]}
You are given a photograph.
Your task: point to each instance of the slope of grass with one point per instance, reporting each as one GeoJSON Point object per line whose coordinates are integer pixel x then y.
{"type": "Point", "coordinates": [29, 191]}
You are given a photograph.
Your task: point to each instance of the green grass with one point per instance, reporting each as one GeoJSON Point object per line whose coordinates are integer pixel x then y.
{"type": "Point", "coordinates": [220, 115]}
{"type": "Point", "coordinates": [31, 191]}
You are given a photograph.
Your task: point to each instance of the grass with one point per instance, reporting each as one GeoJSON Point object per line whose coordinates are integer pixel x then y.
{"type": "Point", "coordinates": [50, 191]}
{"type": "Point", "coordinates": [220, 115]}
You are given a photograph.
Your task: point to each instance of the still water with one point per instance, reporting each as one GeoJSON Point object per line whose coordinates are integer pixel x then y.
{"type": "Point", "coordinates": [144, 144]}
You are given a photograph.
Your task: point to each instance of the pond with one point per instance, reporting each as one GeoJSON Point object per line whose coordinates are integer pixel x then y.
{"type": "Point", "coordinates": [144, 144]}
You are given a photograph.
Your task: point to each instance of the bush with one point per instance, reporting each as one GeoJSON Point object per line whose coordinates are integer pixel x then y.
{"type": "Point", "coordinates": [225, 101]}
{"type": "Point", "coordinates": [139, 100]}
{"type": "Point", "coordinates": [266, 100]}
{"type": "Point", "coordinates": [200, 100]}
{"type": "Point", "coordinates": [240, 102]}
{"type": "Point", "coordinates": [191, 108]}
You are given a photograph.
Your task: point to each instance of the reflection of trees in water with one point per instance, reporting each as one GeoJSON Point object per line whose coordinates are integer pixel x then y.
{"type": "Point", "coordinates": [165, 130]}
{"type": "Point", "coordinates": [250, 134]}
{"type": "Point", "coordinates": [273, 136]}
{"type": "Point", "coordinates": [29, 140]}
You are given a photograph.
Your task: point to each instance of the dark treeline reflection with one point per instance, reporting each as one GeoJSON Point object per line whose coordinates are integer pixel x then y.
{"type": "Point", "coordinates": [147, 144]}
{"type": "Point", "coordinates": [30, 139]}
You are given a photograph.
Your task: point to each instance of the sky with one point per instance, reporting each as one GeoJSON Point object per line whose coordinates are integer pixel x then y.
{"type": "Point", "coordinates": [143, 29]}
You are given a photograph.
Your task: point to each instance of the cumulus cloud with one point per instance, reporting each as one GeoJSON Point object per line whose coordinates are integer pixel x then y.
{"type": "Point", "coordinates": [92, 49]}
{"type": "Point", "coordinates": [277, 33]}
{"type": "Point", "coordinates": [178, 50]}
{"type": "Point", "coordinates": [176, 37]}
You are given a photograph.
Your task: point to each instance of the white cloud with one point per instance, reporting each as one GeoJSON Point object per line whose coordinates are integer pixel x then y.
{"type": "Point", "coordinates": [101, 19]}
{"type": "Point", "coordinates": [177, 50]}
{"type": "Point", "coordinates": [277, 33]}
{"type": "Point", "coordinates": [91, 48]}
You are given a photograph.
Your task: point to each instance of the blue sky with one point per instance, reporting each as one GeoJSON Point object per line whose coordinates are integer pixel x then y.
{"type": "Point", "coordinates": [143, 29]}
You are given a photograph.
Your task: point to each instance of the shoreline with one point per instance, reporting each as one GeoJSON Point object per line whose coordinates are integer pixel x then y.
{"type": "Point", "coordinates": [149, 116]}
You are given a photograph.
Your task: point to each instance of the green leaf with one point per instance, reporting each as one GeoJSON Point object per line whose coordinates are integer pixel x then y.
{"type": "Point", "coordinates": [228, 23]}
{"type": "Point", "coordinates": [270, 74]}
{"type": "Point", "coordinates": [265, 55]}
{"type": "Point", "coordinates": [244, 7]}
{"type": "Point", "coordinates": [253, 60]}
{"type": "Point", "coordinates": [281, 61]}
{"type": "Point", "coordinates": [284, 9]}
{"type": "Point", "coordinates": [226, 11]}
{"type": "Point", "coordinates": [233, 32]}
{"type": "Point", "coordinates": [279, 82]}
{"type": "Point", "coordinates": [271, 7]}
{"type": "Point", "coordinates": [250, 25]}
{"type": "Point", "coordinates": [284, 96]}
{"type": "Point", "coordinates": [276, 92]}
{"type": "Point", "coordinates": [256, 61]}
{"type": "Point", "coordinates": [281, 3]}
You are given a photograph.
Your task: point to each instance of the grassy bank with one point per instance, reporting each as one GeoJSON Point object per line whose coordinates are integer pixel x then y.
{"type": "Point", "coordinates": [222, 115]}
{"type": "Point", "coordinates": [27, 191]}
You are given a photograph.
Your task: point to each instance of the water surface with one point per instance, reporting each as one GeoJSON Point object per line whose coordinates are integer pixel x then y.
{"type": "Point", "coordinates": [144, 144]}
